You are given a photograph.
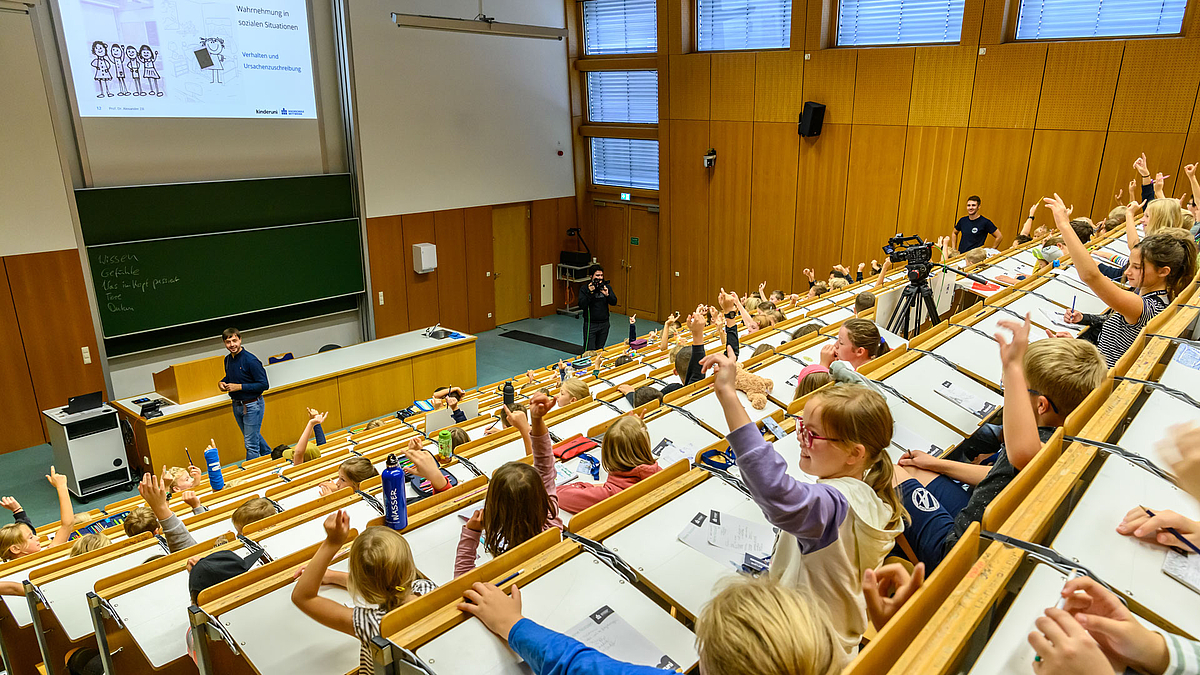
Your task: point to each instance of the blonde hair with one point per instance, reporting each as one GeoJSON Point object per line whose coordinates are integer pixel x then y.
{"type": "Point", "coordinates": [765, 319]}
{"type": "Point", "coordinates": [1162, 213]}
{"type": "Point", "coordinates": [626, 445]}
{"type": "Point", "coordinates": [838, 283]}
{"type": "Point", "coordinates": [12, 535]}
{"type": "Point", "coordinates": [762, 627]}
{"type": "Point", "coordinates": [373, 424]}
{"type": "Point", "coordinates": [976, 255]}
{"type": "Point", "coordinates": [382, 570]}
{"type": "Point", "coordinates": [174, 473]}
{"type": "Point", "coordinates": [358, 469]}
{"type": "Point", "coordinates": [575, 388]}
{"type": "Point", "coordinates": [254, 510]}
{"type": "Point", "coordinates": [1064, 371]}
{"type": "Point", "coordinates": [89, 542]}
{"type": "Point", "coordinates": [752, 303]}
{"type": "Point", "coordinates": [1188, 221]}
{"type": "Point", "coordinates": [855, 413]}
{"type": "Point", "coordinates": [140, 520]}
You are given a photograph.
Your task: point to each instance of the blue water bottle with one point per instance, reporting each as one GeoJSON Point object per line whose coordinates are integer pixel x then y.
{"type": "Point", "coordinates": [395, 500]}
{"type": "Point", "coordinates": [212, 458]}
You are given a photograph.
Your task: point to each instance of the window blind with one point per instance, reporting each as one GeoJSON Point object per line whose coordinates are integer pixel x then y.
{"type": "Point", "coordinates": [624, 162]}
{"type": "Point", "coordinates": [1049, 19]}
{"type": "Point", "coordinates": [744, 24]}
{"type": "Point", "coordinates": [629, 96]}
{"type": "Point", "coordinates": [892, 22]}
{"type": "Point", "coordinates": [619, 27]}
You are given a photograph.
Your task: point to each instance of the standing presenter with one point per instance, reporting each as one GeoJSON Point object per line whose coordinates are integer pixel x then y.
{"type": "Point", "coordinates": [246, 380]}
{"type": "Point", "coordinates": [595, 296]}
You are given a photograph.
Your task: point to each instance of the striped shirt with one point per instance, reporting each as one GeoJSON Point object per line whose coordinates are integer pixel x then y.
{"type": "Point", "coordinates": [366, 626]}
{"type": "Point", "coordinates": [1117, 334]}
{"type": "Point", "coordinates": [1185, 655]}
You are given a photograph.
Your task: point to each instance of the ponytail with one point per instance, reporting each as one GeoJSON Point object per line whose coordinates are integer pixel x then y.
{"type": "Point", "coordinates": [880, 477]}
{"type": "Point", "coordinates": [1171, 247]}
{"type": "Point", "coordinates": [864, 334]}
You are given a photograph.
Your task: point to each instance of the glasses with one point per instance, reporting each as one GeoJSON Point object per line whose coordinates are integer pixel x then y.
{"type": "Point", "coordinates": [807, 436]}
{"type": "Point", "coordinates": [1049, 400]}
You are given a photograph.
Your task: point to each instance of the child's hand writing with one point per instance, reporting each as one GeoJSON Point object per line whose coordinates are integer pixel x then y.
{"type": "Point", "coordinates": [337, 528]}
{"type": "Point", "coordinates": [1137, 523]}
{"type": "Point", "coordinates": [476, 521]}
{"type": "Point", "coordinates": [1072, 316]}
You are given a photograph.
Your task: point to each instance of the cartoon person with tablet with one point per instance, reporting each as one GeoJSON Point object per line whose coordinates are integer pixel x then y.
{"type": "Point", "coordinates": [215, 46]}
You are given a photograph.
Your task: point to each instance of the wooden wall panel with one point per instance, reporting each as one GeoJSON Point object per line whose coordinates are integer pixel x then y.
{"type": "Point", "coordinates": [385, 247]}
{"type": "Point", "coordinates": [567, 219]}
{"type": "Point", "coordinates": [545, 240]}
{"type": "Point", "coordinates": [729, 207]}
{"type": "Point", "coordinates": [1074, 102]}
{"type": "Point", "coordinates": [689, 214]}
{"type": "Point", "coordinates": [882, 85]}
{"type": "Point", "coordinates": [972, 22]}
{"type": "Point", "coordinates": [422, 289]}
{"type": "Point", "coordinates": [933, 160]}
{"type": "Point", "coordinates": [941, 86]}
{"type": "Point", "coordinates": [50, 299]}
{"type": "Point", "coordinates": [22, 417]}
{"type": "Point", "coordinates": [829, 79]}
{"type": "Point", "coordinates": [994, 28]}
{"type": "Point", "coordinates": [773, 202]}
{"type": "Point", "coordinates": [452, 268]}
{"type": "Point", "coordinates": [873, 192]}
{"type": "Point", "coordinates": [1191, 149]}
{"type": "Point", "coordinates": [1008, 82]}
{"type": "Point", "coordinates": [820, 200]}
{"type": "Point", "coordinates": [732, 86]}
{"type": "Point", "coordinates": [1171, 70]}
{"type": "Point", "coordinates": [779, 85]}
{"type": "Point", "coordinates": [666, 271]}
{"type": "Point", "coordinates": [481, 291]}
{"type": "Point", "coordinates": [1163, 152]}
{"type": "Point", "coordinates": [994, 167]}
{"type": "Point", "coordinates": [1067, 163]}
{"type": "Point", "coordinates": [689, 86]}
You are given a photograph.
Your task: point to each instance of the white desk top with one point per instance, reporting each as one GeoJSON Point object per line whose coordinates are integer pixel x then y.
{"type": "Point", "coordinates": [917, 422]}
{"type": "Point", "coordinates": [312, 531]}
{"type": "Point", "coordinates": [651, 545]}
{"type": "Point", "coordinates": [631, 375]}
{"type": "Point", "coordinates": [784, 373]}
{"type": "Point", "coordinates": [918, 379]}
{"type": "Point", "coordinates": [579, 424]}
{"type": "Point", "coordinates": [709, 409]}
{"type": "Point", "coordinates": [1149, 426]}
{"type": "Point", "coordinates": [1008, 649]}
{"type": "Point", "coordinates": [680, 430]}
{"type": "Point", "coordinates": [434, 545]}
{"type": "Point", "coordinates": [156, 616]}
{"type": "Point", "coordinates": [63, 418]}
{"type": "Point", "coordinates": [269, 628]}
{"type": "Point", "coordinates": [1064, 294]}
{"type": "Point", "coordinates": [67, 596]}
{"type": "Point", "coordinates": [559, 600]}
{"type": "Point", "coordinates": [493, 459]}
{"type": "Point", "coordinates": [1131, 566]}
{"type": "Point", "coordinates": [290, 372]}
{"type": "Point", "coordinates": [979, 354]}
{"type": "Point", "coordinates": [1182, 371]}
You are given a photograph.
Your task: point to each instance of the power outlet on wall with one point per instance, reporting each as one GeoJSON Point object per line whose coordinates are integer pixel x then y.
{"type": "Point", "coordinates": [87, 356]}
{"type": "Point", "coordinates": [489, 315]}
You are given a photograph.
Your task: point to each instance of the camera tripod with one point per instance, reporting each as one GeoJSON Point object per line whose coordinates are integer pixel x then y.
{"type": "Point", "coordinates": [906, 316]}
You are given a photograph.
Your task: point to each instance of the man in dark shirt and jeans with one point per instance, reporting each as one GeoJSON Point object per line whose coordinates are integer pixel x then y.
{"type": "Point", "coordinates": [973, 229]}
{"type": "Point", "coordinates": [595, 295]}
{"type": "Point", "coordinates": [245, 380]}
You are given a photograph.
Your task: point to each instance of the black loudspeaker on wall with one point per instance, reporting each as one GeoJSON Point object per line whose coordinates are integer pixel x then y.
{"type": "Point", "coordinates": [811, 119]}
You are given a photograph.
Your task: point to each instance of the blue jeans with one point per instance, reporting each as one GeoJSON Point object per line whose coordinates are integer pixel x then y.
{"type": "Point", "coordinates": [249, 418]}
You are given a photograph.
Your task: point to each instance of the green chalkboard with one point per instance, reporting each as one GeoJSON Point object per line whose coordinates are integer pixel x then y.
{"type": "Point", "coordinates": [116, 214]}
{"type": "Point", "coordinates": [151, 285]}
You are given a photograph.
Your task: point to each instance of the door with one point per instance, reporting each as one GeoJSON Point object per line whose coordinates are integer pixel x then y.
{"type": "Point", "coordinates": [609, 248]}
{"type": "Point", "coordinates": [641, 262]}
{"type": "Point", "coordinates": [510, 267]}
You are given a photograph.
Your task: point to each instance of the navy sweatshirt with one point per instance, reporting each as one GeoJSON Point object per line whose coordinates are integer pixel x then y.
{"type": "Point", "coordinates": [245, 369]}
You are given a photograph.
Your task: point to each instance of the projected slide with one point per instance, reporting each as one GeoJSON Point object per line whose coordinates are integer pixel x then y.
{"type": "Point", "coordinates": [189, 58]}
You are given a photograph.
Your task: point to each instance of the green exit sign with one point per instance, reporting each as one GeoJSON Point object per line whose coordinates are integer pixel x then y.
{"type": "Point", "coordinates": [633, 241]}
{"type": "Point", "coordinates": [625, 196]}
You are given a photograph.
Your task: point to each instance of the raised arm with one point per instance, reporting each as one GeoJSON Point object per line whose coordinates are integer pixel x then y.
{"type": "Point", "coordinates": [1027, 226]}
{"type": "Point", "coordinates": [1127, 303]}
{"type": "Point", "coordinates": [324, 611]}
{"type": "Point", "coordinates": [1143, 170]}
{"type": "Point", "coordinates": [694, 372]}
{"type": "Point", "coordinates": [751, 324]}
{"type": "Point", "coordinates": [1190, 170]}
{"type": "Point", "coordinates": [543, 451]}
{"type": "Point", "coordinates": [1131, 233]}
{"type": "Point", "coordinates": [66, 512]}
{"type": "Point", "coordinates": [665, 341]}
{"type": "Point", "coordinates": [1021, 439]}
{"type": "Point", "coordinates": [314, 420]}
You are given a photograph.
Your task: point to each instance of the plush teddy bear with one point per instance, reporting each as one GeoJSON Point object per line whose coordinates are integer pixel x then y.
{"type": "Point", "coordinates": [754, 386]}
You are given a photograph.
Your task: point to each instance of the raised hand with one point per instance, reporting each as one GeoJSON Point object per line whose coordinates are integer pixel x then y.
{"type": "Point", "coordinates": [518, 419]}
{"type": "Point", "coordinates": [696, 323]}
{"type": "Point", "coordinates": [191, 499]}
{"type": "Point", "coordinates": [337, 527]}
{"type": "Point", "coordinates": [725, 366]}
{"type": "Point", "coordinates": [56, 479]}
{"type": "Point", "coordinates": [1012, 353]}
{"type": "Point", "coordinates": [10, 504]}
{"type": "Point", "coordinates": [541, 404]}
{"type": "Point", "coordinates": [812, 276]}
{"type": "Point", "coordinates": [888, 588]}
{"type": "Point", "coordinates": [1139, 165]}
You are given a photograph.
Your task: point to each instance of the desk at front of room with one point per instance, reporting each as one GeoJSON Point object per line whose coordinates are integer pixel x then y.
{"type": "Point", "coordinates": [353, 384]}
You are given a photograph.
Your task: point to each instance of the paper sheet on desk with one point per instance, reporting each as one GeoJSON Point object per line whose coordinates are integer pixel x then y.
{"type": "Point", "coordinates": [1183, 568]}
{"type": "Point", "coordinates": [668, 453]}
{"type": "Point", "coordinates": [908, 440]}
{"type": "Point", "coordinates": [1187, 356]}
{"type": "Point", "coordinates": [965, 399]}
{"type": "Point", "coordinates": [606, 632]}
{"type": "Point", "coordinates": [738, 534]}
{"type": "Point", "coordinates": [1058, 320]}
{"type": "Point", "coordinates": [697, 535]}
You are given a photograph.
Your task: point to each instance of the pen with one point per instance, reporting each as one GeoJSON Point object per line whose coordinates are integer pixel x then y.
{"type": "Point", "coordinates": [1073, 303]}
{"type": "Point", "coordinates": [1075, 574]}
{"type": "Point", "coordinates": [509, 578]}
{"type": "Point", "coordinates": [189, 456]}
{"type": "Point", "coordinates": [1175, 532]}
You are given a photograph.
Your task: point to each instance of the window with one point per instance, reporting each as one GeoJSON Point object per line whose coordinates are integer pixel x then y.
{"type": "Point", "coordinates": [619, 27]}
{"type": "Point", "coordinates": [624, 162]}
{"type": "Point", "coordinates": [623, 96]}
{"type": "Point", "coordinates": [744, 24]}
{"type": "Point", "coordinates": [1050, 19]}
{"type": "Point", "coordinates": [893, 22]}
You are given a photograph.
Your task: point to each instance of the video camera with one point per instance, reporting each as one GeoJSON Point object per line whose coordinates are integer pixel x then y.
{"type": "Point", "coordinates": [915, 251]}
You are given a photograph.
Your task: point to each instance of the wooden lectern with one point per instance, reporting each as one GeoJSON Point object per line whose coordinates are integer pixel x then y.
{"type": "Point", "coordinates": [191, 381]}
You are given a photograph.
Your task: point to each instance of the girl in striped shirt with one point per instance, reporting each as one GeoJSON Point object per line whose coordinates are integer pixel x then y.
{"type": "Point", "coordinates": [1160, 267]}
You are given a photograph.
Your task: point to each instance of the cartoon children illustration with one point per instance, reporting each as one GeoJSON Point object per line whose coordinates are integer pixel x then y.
{"type": "Point", "coordinates": [116, 57]}
{"type": "Point", "coordinates": [149, 72]}
{"type": "Point", "coordinates": [135, 71]}
{"type": "Point", "coordinates": [101, 69]}
{"type": "Point", "coordinates": [215, 46]}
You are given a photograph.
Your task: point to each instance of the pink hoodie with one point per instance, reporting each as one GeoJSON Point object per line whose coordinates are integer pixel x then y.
{"type": "Point", "coordinates": [543, 461]}
{"type": "Point", "coordinates": [575, 497]}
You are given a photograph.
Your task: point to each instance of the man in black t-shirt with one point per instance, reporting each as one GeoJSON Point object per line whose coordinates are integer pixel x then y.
{"type": "Point", "coordinates": [973, 229]}
{"type": "Point", "coordinates": [595, 296]}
